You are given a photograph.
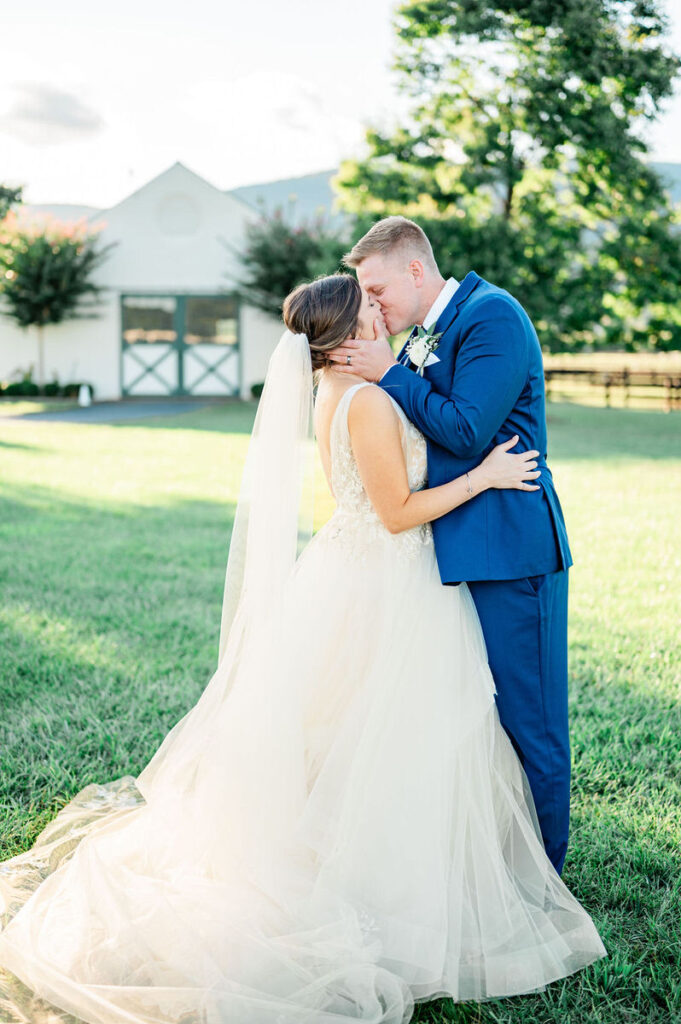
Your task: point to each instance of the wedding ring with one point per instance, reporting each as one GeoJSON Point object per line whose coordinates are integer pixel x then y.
{"type": "Point", "coordinates": [348, 360]}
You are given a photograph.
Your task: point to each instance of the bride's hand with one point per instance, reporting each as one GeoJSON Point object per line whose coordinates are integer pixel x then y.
{"type": "Point", "coordinates": [504, 470]}
{"type": "Point", "coordinates": [380, 332]}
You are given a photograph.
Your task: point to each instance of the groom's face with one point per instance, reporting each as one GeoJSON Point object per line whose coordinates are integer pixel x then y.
{"type": "Point", "coordinates": [394, 281]}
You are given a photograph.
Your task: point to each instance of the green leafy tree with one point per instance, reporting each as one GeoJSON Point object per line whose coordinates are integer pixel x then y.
{"type": "Point", "coordinates": [278, 255]}
{"type": "Point", "coordinates": [521, 155]}
{"type": "Point", "coordinates": [9, 197]}
{"type": "Point", "coordinates": [45, 275]}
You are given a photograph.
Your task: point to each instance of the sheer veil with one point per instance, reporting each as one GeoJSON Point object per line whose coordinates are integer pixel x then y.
{"type": "Point", "coordinates": [273, 520]}
{"type": "Point", "coordinates": [272, 524]}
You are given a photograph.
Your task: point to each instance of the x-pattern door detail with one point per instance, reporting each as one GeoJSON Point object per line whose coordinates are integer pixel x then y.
{"type": "Point", "coordinates": [179, 345]}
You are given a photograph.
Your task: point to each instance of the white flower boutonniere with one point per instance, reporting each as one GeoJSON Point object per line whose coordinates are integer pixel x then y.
{"type": "Point", "coordinates": [420, 349]}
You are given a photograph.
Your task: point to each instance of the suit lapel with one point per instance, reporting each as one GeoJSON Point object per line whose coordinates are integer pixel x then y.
{"type": "Point", "coordinates": [451, 310]}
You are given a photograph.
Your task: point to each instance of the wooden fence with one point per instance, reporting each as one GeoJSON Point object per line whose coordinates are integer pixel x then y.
{"type": "Point", "coordinates": [666, 386]}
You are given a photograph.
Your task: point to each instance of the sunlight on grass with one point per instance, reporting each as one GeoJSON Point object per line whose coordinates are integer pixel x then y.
{"type": "Point", "coordinates": [113, 547]}
{"type": "Point", "coordinates": [22, 406]}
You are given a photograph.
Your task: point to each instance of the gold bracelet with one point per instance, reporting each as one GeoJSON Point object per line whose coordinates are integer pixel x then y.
{"type": "Point", "coordinates": [470, 489]}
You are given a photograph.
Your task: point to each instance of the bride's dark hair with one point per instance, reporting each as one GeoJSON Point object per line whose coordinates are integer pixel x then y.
{"type": "Point", "coordinates": [327, 311]}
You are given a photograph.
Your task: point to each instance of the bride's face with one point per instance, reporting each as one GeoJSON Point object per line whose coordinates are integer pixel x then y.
{"type": "Point", "coordinates": [368, 312]}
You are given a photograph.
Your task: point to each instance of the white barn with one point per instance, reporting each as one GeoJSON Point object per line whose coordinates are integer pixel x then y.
{"type": "Point", "coordinates": [169, 323]}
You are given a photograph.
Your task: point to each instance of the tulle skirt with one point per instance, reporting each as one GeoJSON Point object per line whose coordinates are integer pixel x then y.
{"type": "Point", "coordinates": [339, 828]}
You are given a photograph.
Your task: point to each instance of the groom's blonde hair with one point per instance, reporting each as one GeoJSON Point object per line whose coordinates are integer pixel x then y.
{"type": "Point", "coordinates": [393, 234]}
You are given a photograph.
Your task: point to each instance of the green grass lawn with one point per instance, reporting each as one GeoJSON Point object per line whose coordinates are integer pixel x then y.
{"type": "Point", "coordinates": [21, 406]}
{"type": "Point", "coordinates": [113, 548]}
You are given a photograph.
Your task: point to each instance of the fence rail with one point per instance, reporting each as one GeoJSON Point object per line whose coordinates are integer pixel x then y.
{"type": "Point", "coordinates": [668, 384]}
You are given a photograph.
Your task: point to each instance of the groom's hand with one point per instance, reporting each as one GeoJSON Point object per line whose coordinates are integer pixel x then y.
{"type": "Point", "coordinates": [368, 359]}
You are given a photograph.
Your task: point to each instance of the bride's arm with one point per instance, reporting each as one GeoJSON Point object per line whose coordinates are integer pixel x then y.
{"type": "Point", "coordinates": [375, 436]}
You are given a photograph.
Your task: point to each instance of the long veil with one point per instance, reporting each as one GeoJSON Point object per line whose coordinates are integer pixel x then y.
{"type": "Point", "coordinates": [273, 519]}
{"type": "Point", "coordinates": [272, 525]}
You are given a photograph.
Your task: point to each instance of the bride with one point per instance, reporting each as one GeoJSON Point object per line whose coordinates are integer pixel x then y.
{"type": "Point", "coordinates": [340, 826]}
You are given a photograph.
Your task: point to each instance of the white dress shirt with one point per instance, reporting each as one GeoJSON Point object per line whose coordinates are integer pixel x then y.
{"type": "Point", "coordinates": [441, 302]}
{"type": "Point", "coordinates": [438, 307]}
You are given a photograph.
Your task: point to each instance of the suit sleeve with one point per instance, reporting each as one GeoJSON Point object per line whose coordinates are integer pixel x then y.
{"type": "Point", "coordinates": [490, 373]}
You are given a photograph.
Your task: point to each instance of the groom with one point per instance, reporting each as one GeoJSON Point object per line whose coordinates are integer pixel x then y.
{"type": "Point", "coordinates": [482, 384]}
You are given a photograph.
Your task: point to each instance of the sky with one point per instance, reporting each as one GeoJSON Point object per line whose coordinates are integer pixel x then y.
{"type": "Point", "coordinates": [97, 99]}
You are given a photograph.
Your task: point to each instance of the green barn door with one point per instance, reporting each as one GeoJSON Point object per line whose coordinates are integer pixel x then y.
{"type": "Point", "coordinates": [209, 363]}
{"type": "Point", "coordinates": [180, 345]}
{"type": "Point", "coordinates": [150, 329]}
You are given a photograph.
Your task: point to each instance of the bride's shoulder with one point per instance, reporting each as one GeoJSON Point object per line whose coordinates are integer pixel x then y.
{"type": "Point", "coordinates": [363, 401]}
{"type": "Point", "coordinates": [370, 403]}
{"type": "Point", "coordinates": [368, 395]}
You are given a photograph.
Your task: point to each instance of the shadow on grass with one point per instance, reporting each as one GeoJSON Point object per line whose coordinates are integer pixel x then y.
{"type": "Point", "coordinates": [109, 627]}
{"type": "Point", "coordinates": [138, 576]}
{"type": "Point", "coordinates": [22, 447]}
{"type": "Point", "coordinates": [585, 432]}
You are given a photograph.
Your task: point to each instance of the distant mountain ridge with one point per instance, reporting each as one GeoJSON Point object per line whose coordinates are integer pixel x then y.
{"type": "Point", "coordinates": [302, 199]}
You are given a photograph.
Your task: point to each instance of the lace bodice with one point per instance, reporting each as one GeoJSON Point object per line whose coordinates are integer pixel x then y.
{"type": "Point", "coordinates": [353, 504]}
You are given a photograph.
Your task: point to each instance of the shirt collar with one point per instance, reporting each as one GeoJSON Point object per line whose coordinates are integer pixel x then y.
{"type": "Point", "coordinates": [441, 302]}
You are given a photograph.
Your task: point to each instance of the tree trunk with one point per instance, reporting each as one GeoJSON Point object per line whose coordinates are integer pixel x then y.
{"type": "Point", "coordinates": [41, 356]}
{"type": "Point", "coordinates": [508, 201]}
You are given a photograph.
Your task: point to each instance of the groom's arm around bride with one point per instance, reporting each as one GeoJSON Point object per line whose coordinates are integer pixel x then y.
{"type": "Point", "coordinates": [511, 548]}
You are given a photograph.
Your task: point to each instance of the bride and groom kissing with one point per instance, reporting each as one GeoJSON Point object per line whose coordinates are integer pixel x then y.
{"type": "Point", "coordinates": [368, 806]}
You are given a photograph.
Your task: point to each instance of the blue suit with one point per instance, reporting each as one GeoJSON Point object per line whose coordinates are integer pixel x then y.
{"type": "Point", "coordinates": [510, 546]}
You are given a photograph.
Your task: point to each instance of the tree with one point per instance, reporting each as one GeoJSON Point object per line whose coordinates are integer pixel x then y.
{"type": "Point", "coordinates": [8, 198]}
{"type": "Point", "coordinates": [521, 156]}
{"type": "Point", "coordinates": [45, 274]}
{"type": "Point", "coordinates": [278, 256]}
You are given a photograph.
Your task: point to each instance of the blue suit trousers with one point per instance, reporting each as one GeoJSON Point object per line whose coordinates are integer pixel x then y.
{"type": "Point", "coordinates": [524, 622]}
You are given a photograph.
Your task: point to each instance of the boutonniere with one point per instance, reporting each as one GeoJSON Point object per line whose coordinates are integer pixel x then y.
{"type": "Point", "coordinates": [420, 349]}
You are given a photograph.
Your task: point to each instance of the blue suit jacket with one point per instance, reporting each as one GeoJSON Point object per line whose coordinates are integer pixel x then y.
{"type": "Point", "coordinates": [487, 386]}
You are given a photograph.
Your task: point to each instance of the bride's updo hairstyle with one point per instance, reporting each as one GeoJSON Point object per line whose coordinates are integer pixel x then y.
{"type": "Point", "coordinates": [327, 311]}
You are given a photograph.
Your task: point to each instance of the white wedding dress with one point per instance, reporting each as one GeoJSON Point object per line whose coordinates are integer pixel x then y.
{"type": "Point", "coordinates": [331, 848]}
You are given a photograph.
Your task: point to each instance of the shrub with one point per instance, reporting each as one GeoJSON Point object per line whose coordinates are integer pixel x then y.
{"type": "Point", "coordinates": [22, 387]}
